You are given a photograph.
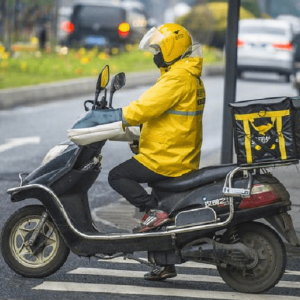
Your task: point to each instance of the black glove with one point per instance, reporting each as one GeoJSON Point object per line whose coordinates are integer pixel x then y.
{"type": "Point", "coordinates": [96, 117]}
{"type": "Point", "coordinates": [134, 146]}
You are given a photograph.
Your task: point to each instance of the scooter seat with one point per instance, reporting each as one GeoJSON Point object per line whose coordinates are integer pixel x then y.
{"type": "Point", "coordinates": [194, 179]}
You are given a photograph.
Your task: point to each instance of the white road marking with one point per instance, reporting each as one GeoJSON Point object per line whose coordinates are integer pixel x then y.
{"type": "Point", "coordinates": [185, 265]}
{"type": "Point", "coordinates": [140, 290]}
{"type": "Point", "coordinates": [180, 277]}
{"type": "Point", "coordinates": [139, 274]}
{"type": "Point", "coordinates": [17, 142]}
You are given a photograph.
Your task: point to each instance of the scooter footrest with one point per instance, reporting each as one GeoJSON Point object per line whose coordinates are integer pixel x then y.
{"type": "Point", "coordinates": [195, 217]}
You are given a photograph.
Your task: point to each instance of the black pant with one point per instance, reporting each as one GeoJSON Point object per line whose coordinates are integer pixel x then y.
{"type": "Point", "coordinates": [126, 178]}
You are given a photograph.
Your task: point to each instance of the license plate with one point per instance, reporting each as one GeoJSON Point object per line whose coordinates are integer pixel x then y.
{"type": "Point", "coordinates": [258, 45]}
{"type": "Point", "coordinates": [95, 40]}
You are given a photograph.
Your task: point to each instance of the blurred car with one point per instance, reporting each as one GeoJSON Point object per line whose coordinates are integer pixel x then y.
{"type": "Point", "coordinates": [105, 24]}
{"type": "Point", "coordinates": [265, 45]}
{"type": "Point", "coordinates": [63, 21]}
{"type": "Point", "coordinates": [293, 20]}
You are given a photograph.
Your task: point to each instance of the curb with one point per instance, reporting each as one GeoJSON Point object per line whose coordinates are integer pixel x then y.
{"type": "Point", "coordinates": [10, 98]}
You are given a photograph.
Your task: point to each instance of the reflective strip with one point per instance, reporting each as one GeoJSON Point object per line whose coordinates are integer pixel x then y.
{"type": "Point", "coordinates": [184, 113]}
{"type": "Point", "coordinates": [262, 114]}
{"type": "Point", "coordinates": [247, 141]}
{"type": "Point", "coordinates": [281, 139]}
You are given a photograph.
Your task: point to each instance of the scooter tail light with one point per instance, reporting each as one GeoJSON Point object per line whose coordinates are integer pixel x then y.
{"type": "Point", "coordinates": [240, 43]}
{"type": "Point", "coordinates": [124, 29]}
{"type": "Point", "coordinates": [261, 194]}
{"type": "Point", "coordinates": [67, 26]}
{"type": "Point", "coordinates": [283, 46]}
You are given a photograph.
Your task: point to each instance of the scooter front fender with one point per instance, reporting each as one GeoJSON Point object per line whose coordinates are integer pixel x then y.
{"type": "Point", "coordinates": [47, 198]}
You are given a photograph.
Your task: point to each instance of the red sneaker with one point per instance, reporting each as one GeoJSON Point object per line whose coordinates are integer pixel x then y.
{"type": "Point", "coordinates": [144, 218]}
{"type": "Point", "coordinates": [155, 218]}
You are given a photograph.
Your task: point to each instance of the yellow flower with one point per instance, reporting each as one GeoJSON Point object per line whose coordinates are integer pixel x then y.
{"type": "Point", "coordinates": [148, 54]}
{"type": "Point", "coordinates": [23, 66]}
{"type": "Point", "coordinates": [4, 55]}
{"type": "Point", "coordinates": [93, 51]}
{"type": "Point", "coordinates": [2, 49]}
{"type": "Point", "coordinates": [82, 51]}
{"type": "Point", "coordinates": [114, 51]}
{"type": "Point", "coordinates": [34, 40]}
{"type": "Point", "coordinates": [129, 48]}
{"type": "Point", "coordinates": [103, 55]}
{"type": "Point", "coordinates": [84, 60]}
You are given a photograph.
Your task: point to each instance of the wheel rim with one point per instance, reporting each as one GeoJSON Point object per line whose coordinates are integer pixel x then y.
{"type": "Point", "coordinates": [20, 235]}
{"type": "Point", "coordinates": [264, 265]}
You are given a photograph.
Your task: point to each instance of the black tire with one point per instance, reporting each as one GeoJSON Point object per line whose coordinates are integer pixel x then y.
{"type": "Point", "coordinates": [267, 270]}
{"type": "Point", "coordinates": [18, 229]}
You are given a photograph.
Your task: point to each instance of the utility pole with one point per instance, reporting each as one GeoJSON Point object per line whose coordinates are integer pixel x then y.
{"type": "Point", "coordinates": [55, 20]}
{"type": "Point", "coordinates": [230, 78]}
{"type": "Point", "coordinates": [2, 21]}
{"type": "Point", "coordinates": [268, 7]}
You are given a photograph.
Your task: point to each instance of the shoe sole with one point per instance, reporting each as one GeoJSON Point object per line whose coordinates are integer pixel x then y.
{"type": "Point", "coordinates": [161, 278]}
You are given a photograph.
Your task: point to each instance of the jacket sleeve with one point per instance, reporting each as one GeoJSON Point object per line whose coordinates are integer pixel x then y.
{"type": "Point", "coordinates": [166, 93]}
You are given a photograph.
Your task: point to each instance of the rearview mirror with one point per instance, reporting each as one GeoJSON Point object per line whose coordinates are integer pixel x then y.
{"type": "Point", "coordinates": [102, 82]}
{"type": "Point", "coordinates": [103, 78]}
{"type": "Point", "coordinates": [118, 81]}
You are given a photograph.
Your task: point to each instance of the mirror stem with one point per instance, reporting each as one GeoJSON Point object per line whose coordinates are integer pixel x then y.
{"type": "Point", "coordinates": [110, 98]}
{"type": "Point", "coordinates": [96, 98]}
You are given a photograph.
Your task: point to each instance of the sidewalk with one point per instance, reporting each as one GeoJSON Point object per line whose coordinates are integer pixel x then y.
{"type": "Point", "coordinates": [75, 87]}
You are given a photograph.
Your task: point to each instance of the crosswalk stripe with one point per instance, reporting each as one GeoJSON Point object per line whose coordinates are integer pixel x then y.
{"type": "Point", "coordinates": [185, 265]}
{"type": "Point", "coordinates": [181, 277]}
{"type": "Point", "coordinates": [287, 272]}
{"type": "Point", "coordinates": [139, 274]}
{"type": "Point", "coordinates": [140, 290]}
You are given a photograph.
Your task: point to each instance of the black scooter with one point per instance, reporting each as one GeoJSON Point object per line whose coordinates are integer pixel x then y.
{"type": "Point", "coordinates": [213, 212]}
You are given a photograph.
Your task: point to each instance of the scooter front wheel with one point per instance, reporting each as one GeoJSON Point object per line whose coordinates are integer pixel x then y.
{"type": "Point", "coordinates": [269, 266]}
{"type": "Point", "coordinates": [45, 256]}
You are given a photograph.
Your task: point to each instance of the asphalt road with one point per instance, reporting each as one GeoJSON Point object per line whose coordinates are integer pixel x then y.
{"type": "Point", "coordinates": [27, 133]}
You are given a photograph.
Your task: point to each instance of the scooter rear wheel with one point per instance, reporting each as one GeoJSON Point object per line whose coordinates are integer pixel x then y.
{"type": "Point", "coordinates": [269, 268]}
{"type": "Point", "coordinates": [48, 253]}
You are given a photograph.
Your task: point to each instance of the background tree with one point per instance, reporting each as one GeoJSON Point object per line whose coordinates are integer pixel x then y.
{"type": "Point", "coordinates": [207, 21]}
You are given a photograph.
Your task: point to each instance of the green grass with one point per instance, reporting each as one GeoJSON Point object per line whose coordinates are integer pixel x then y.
{"type": "Point", "coordinates": [30, 68]}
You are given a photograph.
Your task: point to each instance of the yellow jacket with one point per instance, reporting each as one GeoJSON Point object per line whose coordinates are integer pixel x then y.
{"type": "Point", "coordinates": [171, 114]}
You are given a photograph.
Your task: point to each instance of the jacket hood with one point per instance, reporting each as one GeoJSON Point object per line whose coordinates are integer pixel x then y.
{"type": "Point", "coordinates": [191, 64]}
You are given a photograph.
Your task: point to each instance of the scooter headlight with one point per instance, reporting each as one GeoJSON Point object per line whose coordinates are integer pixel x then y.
{"type": "Point", "coordinates": [54, 152]}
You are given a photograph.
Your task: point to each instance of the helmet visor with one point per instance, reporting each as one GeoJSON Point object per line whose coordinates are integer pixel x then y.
{"type": "Point", "coordinates": [151, 41]}
{"type": "Point", "coordinates": [195, 50]}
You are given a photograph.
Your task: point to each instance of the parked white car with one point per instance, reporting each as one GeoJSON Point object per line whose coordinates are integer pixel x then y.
{"type": "Point", "coordinates": [265, 45]}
